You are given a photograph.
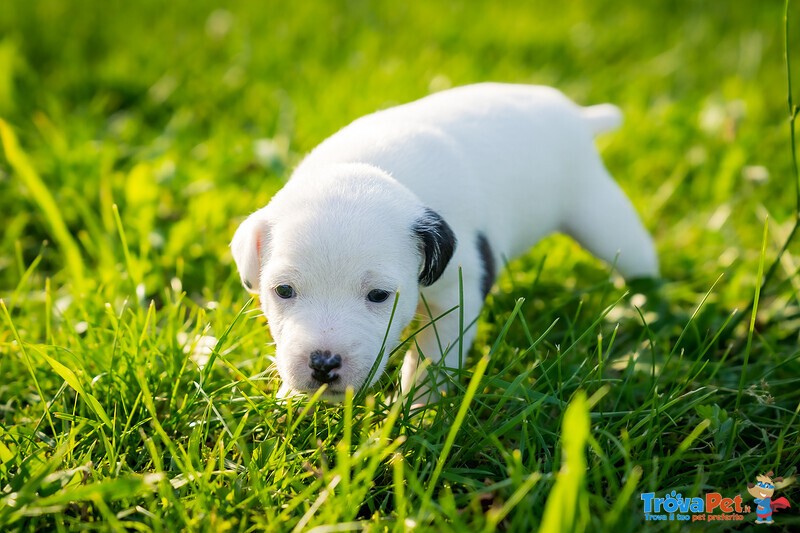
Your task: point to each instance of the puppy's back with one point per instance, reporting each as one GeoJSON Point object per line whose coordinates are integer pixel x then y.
{"type": "Point", "coordinates": [503, 147]}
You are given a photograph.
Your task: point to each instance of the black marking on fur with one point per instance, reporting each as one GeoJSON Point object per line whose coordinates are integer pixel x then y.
{"type": "Point", "coordinates": [438, 242]}
{"type": "Point", "coordinates": [247, 284]}
{"type": "Point", "coordinates": [487, 262]}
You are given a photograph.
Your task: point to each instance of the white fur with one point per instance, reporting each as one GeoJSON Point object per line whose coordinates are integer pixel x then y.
{"type": "Point", "coordinates": [513, 162]}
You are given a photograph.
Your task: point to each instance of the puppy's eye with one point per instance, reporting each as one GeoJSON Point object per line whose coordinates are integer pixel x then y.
{"type": "Point", "coordinates": [377, 296]}
{"type": "Point", "coordinates": [285, 291]}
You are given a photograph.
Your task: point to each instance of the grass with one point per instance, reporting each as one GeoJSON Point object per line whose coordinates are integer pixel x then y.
{"type": "Point", "coordinates": [137, 388]}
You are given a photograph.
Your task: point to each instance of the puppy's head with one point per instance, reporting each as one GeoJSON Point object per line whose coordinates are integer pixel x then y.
{"type": "Point", "coordinates": [328, 257]}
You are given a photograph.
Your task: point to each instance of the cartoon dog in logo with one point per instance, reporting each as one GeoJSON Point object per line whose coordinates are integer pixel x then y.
{"type": "Point", "coordinates": [762, 492]}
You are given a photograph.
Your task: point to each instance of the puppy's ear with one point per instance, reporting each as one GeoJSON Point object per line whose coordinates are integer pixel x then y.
{"type": "Point", "coordinates": [437, 243]}
{"type": "Point", "coordinates": [248, 247]}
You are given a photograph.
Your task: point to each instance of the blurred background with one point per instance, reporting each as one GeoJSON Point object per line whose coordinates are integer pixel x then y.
{"type": "Point", "coordinates": [135, 136]}
{"type": "Point", "coordinates": [189, 115]}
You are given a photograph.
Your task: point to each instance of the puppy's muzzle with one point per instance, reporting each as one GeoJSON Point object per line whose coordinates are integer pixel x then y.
{"type": "Point", "coordinates": [324, 365]}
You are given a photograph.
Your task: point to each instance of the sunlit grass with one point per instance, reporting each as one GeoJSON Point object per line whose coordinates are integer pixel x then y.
{"type": "Point", "coordinates": [136, 380]}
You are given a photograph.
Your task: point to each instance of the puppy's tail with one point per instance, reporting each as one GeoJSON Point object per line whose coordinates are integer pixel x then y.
{"type": "Point", "coordinates": [602, 117]}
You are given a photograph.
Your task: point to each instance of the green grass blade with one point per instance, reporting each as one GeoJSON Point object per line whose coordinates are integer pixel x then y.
{"type": "Point", "coordinates": [72, 380]}
{"type": "Point", "coordinates": [457, 423]}
{"type": "Point", "coordinates": [25, 171]}
{"type": "Point", "coordinates": [567, 505]}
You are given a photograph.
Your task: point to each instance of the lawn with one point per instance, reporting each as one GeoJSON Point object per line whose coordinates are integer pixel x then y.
{"type": "Point", "coordinates": [137, 389]}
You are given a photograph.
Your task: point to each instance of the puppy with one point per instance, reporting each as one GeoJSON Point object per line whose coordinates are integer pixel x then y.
{"type": "Point", "coordinates": [394, 204]}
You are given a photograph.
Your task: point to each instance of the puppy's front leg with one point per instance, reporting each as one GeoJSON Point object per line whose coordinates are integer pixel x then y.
{"type": "Point", "coordinates": [439, 342]}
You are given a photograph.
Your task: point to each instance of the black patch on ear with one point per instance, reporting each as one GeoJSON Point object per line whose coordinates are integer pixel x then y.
{"type": "Point", "coordinates": [438, 243]}
{"type": "Point", "coordinates": [487, 262]}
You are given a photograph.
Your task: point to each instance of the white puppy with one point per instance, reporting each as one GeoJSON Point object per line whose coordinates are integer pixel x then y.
{"type": "Point", "coordinates": [393, 204]}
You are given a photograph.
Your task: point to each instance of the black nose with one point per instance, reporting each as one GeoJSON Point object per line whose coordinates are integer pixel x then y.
{"type": "Point", "coordinates": [324, 364]}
